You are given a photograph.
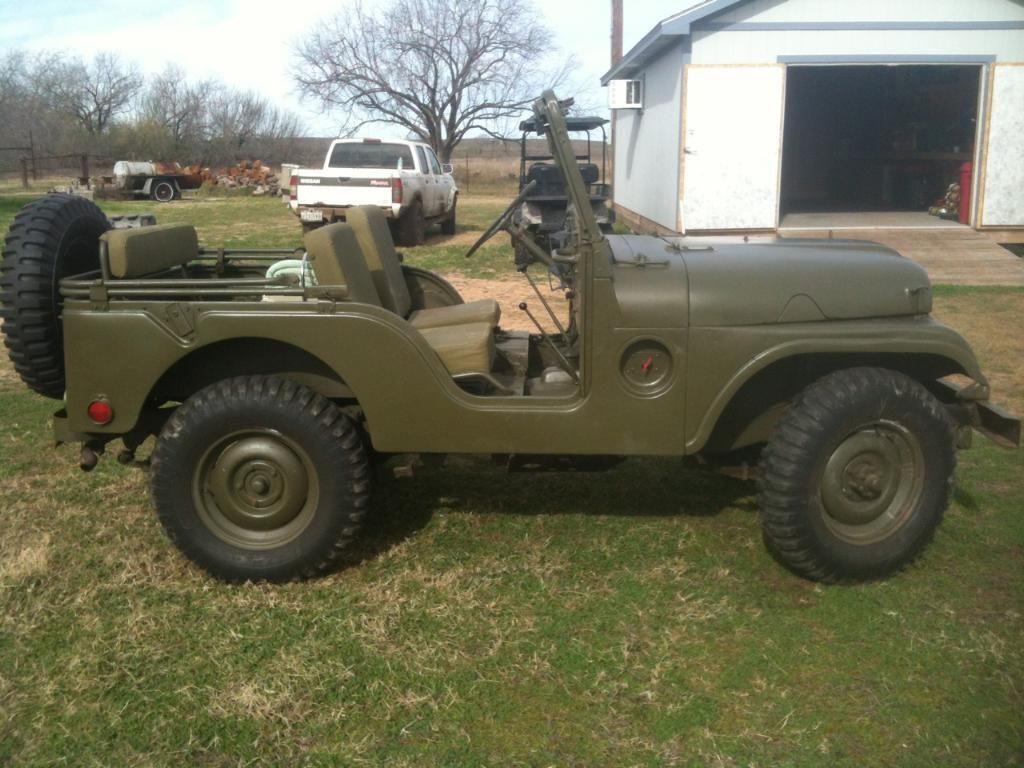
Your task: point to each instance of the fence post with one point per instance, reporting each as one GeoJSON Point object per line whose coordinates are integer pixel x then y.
{"type": "Point", "coordinates": [32, 155]}
{"type": "Point", "coordinates": [24, 173]}
{"type": "Point", "coordinates": [467, 172]}
{"type": "Point", "coordinates": [85, 171]}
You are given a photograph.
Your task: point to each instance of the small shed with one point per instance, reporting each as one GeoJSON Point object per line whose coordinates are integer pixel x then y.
{"type": "Point", "coordinates": [736, 115]}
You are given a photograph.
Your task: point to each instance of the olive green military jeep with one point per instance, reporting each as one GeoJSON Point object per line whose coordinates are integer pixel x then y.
{"type": "Point", "coordinates": [273, 379]}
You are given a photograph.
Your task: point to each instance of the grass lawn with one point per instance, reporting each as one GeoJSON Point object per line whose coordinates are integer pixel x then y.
{"type": "Point", "coordinates": [617, 619]}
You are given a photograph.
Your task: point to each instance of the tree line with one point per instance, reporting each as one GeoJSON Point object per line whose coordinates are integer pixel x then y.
{"type": "Point", "coordinates": [106, 107]}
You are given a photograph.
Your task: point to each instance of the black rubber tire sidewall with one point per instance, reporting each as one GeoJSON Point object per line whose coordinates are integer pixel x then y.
{"type": "Point", "coordinates": [794, 460]}
{"type": "Point", "coordinates": [53, 237]}
{"type": "Point", "coordinates": [411, 226]}
{"type": "Point", "coordinates": [328, 437]}
{"type": "Point", "coordinates": [448, 225]}
{"type": "Point", "coordinates": [162, 184]}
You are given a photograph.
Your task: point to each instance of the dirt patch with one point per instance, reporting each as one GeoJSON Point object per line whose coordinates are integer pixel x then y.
{"type": "Point", "coordinates": [509, 293]}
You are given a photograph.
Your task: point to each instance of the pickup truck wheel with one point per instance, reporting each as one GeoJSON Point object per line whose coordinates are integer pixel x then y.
{"type": "Point", "coordinates": [50, 238]}
{"type": "Point", "coordinates": [412, 226]}
{"type": "Point", "coordinates": [856, 476]}
{"type": "Point", "coordinates": [448, 225]}
{"type": "Point", "coordinates": [259, 478]}
{"type": "Point", "coordinates": [163, 191]}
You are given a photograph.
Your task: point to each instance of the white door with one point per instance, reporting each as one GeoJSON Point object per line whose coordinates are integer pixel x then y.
{"type": "Point", "coordinates": [733, 146]}
{"type": "Point", "coordinates": [436, 195]}
{"type": "Point", "coordinates": [1002, 191]}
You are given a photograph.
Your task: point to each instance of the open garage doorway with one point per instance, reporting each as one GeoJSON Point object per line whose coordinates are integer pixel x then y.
{"type": "Point", "coordinates": [876, 145]}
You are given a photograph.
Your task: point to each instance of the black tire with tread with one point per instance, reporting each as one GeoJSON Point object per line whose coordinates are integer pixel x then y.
{"type": "Point", "coordinates": [448, 225]}
{"type": "Point", "coordinates": [50, 238]}
{"type": "Point", "coordinates": [163, 184]}
{"type": "Point", "coordinates": [793, 461]}
{"type": "Point", "coordinates": [412, 226]}
{"type": "Point", "coordinates": [332, 442]}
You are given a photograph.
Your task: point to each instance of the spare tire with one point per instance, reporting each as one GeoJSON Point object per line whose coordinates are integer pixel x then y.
{"type": "Point", "coordinates": [51, 238]}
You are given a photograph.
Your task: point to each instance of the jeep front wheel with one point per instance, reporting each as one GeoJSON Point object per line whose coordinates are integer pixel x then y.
{"type": "Point", "coordinates": [856, 476]}
{"type": "Point", "coordinates": [260, 478]}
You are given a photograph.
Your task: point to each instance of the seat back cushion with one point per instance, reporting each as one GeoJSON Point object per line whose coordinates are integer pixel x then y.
{"type": "Point", "coordinates": [371, 228]}
{"type": "Point", "coordinates": [338, 260]}
{"type": "Point", "coordinates": [147, 250]}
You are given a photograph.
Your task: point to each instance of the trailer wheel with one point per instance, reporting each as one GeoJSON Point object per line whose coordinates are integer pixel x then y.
{"type": "Point", "coordinates": [51, 238]}
{"type": "Point", "coordinates": [163, 191]}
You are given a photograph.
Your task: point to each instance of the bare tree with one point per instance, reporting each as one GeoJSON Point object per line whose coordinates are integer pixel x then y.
{"type": "Point", "coordinates": [179, 106]}
{"type": "Point", "coordinates": [94, 94]}
{"type": "Point", "coordinates": [438, 68]}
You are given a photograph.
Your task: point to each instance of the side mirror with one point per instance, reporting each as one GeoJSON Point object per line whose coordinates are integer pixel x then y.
{"type": "Point", "coordinates": [447, 168]}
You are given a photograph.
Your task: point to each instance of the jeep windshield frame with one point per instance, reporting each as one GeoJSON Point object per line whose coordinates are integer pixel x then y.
{"type": "Point", "coordinates": [548, 112]}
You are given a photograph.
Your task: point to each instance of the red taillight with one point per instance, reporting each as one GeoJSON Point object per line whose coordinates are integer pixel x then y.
{"type": "Point", "coordinates": [293, 184]}
{"type": "Point", "coordinates": [396, 190]}
{"type": "Point", "coordinates": [100, 412]}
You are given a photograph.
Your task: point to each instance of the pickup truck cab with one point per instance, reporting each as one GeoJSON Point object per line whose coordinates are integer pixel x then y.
{"type": "Point", "coordinates": [403, 178]}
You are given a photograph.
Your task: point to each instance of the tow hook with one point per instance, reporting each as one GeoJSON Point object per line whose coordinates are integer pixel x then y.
{"type": "Point", "coordinates": [90, 456]}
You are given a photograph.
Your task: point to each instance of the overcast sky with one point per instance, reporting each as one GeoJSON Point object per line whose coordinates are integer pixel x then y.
{"type": "Point", "coordinates": [248, 43]}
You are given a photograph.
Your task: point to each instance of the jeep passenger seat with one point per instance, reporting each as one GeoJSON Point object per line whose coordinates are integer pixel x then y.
{"type": "Point", "coordinates": [371, 228]}
{"type": "Point", "coordinates": [338, 260]}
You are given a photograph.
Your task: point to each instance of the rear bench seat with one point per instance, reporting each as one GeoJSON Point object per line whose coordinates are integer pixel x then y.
{"type": "Point", "coordinates": [371, 228]}
{"type": "Point", "coordinates": [147, 250]}
{"type": "Point", "coordinates": [338, 260]}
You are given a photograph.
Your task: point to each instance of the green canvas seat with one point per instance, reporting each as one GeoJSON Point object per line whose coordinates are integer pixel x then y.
{"type": "Point", "coordinates": [338, 260]}
{"type": "Point", "coordinates": [371, 228]}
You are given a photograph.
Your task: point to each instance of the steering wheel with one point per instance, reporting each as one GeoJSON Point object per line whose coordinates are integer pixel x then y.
{"type": "Point", "coordinates": [502, 221]}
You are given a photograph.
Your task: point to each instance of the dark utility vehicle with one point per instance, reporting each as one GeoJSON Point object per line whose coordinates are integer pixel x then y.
{"type": "Point", "coordinates": [269, 396]}
{"type": "Point", "coordinates": [542, 213]}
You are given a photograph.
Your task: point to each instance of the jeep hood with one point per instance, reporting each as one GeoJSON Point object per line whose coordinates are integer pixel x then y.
{"type": "Point", "coordinates": [786, 280]}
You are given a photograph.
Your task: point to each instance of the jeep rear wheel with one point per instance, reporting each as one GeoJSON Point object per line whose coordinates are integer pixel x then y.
{"type": "Point", "coordinates": [51, 238]}
{"type": "Point", "coordinates": [856, 476]}
{"type": "Point", "coordinates": [260, 478]}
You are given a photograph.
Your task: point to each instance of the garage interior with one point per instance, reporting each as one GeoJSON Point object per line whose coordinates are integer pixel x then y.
{"type": "Point", "coordinates": [886, 139]}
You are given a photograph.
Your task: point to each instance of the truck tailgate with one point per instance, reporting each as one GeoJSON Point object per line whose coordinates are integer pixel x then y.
{"type": "Point", "coordinates": [343, 190]}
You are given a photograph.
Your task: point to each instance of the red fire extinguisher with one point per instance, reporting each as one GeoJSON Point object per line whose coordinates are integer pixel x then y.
{"type": "Point", "coordinates": [966, 172]}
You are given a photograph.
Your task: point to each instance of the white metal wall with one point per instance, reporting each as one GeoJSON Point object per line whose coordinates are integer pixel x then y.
{"type": "Point", "coordinates": [763, 46]}
{"type": "Point", "coordinates": [647, 144]}
{"type": "Point", "coordinates": [1002, 189]}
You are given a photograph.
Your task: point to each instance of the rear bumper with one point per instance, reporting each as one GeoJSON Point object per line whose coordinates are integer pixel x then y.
{"type": "Point", "coordinates": [338, 213]}
{"type": "Point", "coordinates": [995, 423]}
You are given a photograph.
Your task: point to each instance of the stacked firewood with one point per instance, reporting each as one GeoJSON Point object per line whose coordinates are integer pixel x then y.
{"type": "Point", "coordinates": [247, 174]}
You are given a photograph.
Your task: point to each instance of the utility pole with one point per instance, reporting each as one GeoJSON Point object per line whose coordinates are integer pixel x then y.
{"type": "Point", "coordinates": [616, 31]}
{"type": "Point", "coordinates": [616, 57]}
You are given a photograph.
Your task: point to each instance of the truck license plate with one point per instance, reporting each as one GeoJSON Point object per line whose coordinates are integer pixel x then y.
{"type": "Point", "coordinates": [311, 215]}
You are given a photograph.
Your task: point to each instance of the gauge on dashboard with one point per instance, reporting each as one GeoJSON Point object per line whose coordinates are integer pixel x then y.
{"type": "Point", "coordinates": [646, 367]}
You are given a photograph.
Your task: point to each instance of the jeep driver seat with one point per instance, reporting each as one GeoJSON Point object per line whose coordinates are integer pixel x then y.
{"type": "Point", "coordinates": [371, 229]}
{"type": "Point", "coordinates": [338, 260]}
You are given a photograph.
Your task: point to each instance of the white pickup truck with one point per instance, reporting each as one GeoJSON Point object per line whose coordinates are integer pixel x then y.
{"type": "Point", "coordinates": [403, 177]}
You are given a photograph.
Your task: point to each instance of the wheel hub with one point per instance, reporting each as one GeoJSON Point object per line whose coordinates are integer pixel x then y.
{"type": "Point", "coordinates": [871, 482]}
{"type": "Point", "coordinates": [256, 489]}
{"type": "Point", "coordinates": [258, 483]}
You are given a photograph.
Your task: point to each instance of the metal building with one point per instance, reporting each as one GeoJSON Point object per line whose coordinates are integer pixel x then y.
{"type": "Point", "coordinates": [756, 115]}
